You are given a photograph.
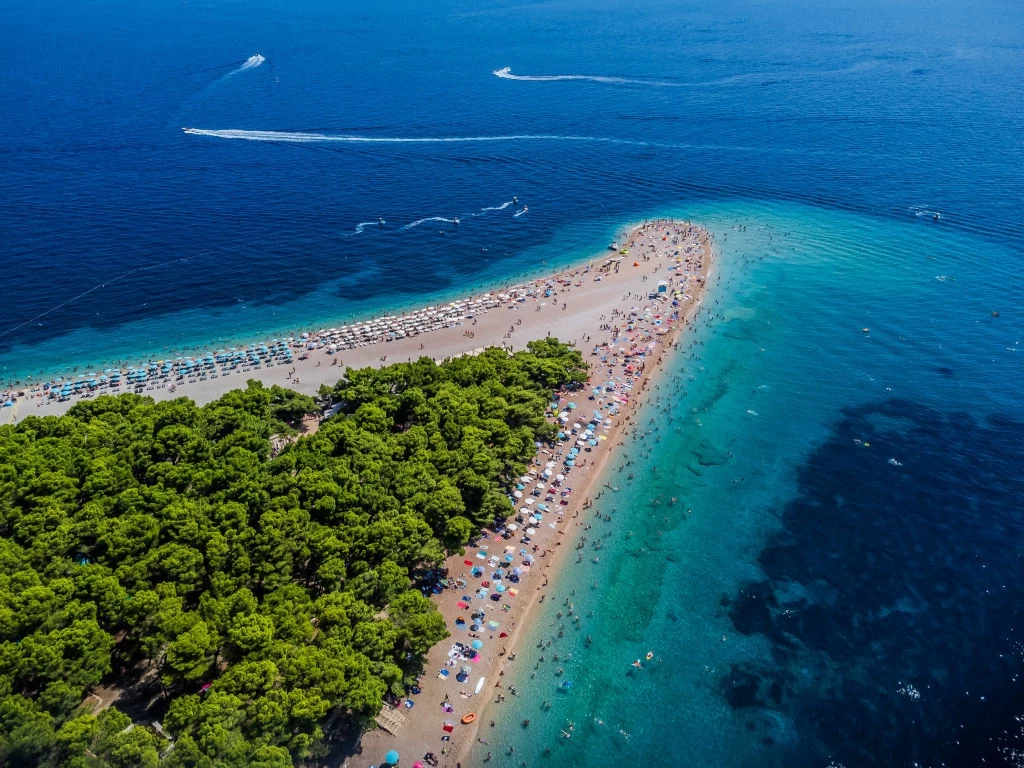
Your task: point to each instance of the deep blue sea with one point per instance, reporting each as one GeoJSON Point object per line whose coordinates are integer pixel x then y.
{"type": "Point", "coordinates": [837, 583]}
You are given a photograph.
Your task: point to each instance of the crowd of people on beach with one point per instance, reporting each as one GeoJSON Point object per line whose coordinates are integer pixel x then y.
{"type": "Point", "coordinates": [174, 375]}
{"type": "Point", "coordinates": [544, 506]}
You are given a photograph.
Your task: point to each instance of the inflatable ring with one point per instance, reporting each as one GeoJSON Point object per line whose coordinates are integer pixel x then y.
{"type": "Point", "coordinates": [650, 655]}
{"type": "Point", "coordinates": [467, 719]}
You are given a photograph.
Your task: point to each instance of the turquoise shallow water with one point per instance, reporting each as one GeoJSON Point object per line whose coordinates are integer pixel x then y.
{"type": "Point", "coordinates": [870, 609]}
{"type": "Point", "coordinates": [729, 431]}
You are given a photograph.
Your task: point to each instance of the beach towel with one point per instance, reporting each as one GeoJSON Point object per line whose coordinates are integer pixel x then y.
{"type": "Point", "coordinates": [462, 604]}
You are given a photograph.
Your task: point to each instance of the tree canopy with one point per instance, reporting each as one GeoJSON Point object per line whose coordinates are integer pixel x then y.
{"type": "Point", "coordinates": [156, 553]}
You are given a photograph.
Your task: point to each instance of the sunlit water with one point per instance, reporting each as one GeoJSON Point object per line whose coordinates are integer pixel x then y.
{"type": "Point", "coordinates": [836, 580]}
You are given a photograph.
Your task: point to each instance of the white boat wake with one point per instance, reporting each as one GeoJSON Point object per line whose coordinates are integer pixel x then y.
{"type": "Point", "coordinates": [505, 73]}
{"type": "Point", "coordinates": [429, 218]}
{"type": "Point", "coordinates": [304, 137]}
{"type": "Point", "coordinates": [251, 63]}
{"type": "Point", "coordinates": [744, 78]}
{"type": "Point", "coordinates": [501, 207]}
{"type": "Point", "coordinates": [361, 226]}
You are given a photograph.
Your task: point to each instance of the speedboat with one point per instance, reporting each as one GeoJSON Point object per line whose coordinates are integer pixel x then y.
{"type": "Point", "coordinates": [613, 246]}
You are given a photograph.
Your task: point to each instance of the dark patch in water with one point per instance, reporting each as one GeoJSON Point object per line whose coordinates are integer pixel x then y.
{"type": "Point", "coordinates": [900, 644]}
{"type": "Point", "coordinates": [708, 455]}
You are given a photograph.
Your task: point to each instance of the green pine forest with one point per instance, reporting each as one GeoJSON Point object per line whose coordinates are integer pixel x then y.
{"type": "Point", "coordinates": [253, 606]}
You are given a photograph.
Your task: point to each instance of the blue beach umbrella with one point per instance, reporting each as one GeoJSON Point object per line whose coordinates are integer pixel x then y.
{"type": "Point", "coordinates": [391, 757]}
{"type": "Point", "coordinates": [477, 644]}
{"type": "Point", "coordinates": [500, 587]}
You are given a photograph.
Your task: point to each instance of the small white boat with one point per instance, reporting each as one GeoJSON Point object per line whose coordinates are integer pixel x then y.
{"type": "Point", "coordinates": [613, 246]}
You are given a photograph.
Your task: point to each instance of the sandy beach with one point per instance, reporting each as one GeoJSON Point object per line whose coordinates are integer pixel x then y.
{"type": "Point", "coordinates": [612, 326]}
{"type": "Point", "coordinates": [623, 309]}
{"type": "Point", "coordinates": [570, 305]}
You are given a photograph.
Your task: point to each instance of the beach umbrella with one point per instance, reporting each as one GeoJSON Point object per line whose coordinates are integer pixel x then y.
{"type": "Point", "coordinates": [477, 644]}
{"type": "Point", "coordinates": [391, 757]}
{"type": "Point", "coordinates": [493, 624]}
{"type": "Point", "coordinates": [530, 501]}
{"type": "Point", "coordinates": [509, 558]}
{"type": "Point", "coordinates": [500, 587]}
{"type": "Point", "coordinates": [531, 531]}
{"type": "Point", "coordinates": [513, 527]}
{"type": "Point", "coordinates": [517, 494]}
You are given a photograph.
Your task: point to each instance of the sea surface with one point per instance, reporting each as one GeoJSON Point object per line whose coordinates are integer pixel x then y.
{"type": "Point", "coordinates": [836, 582]}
